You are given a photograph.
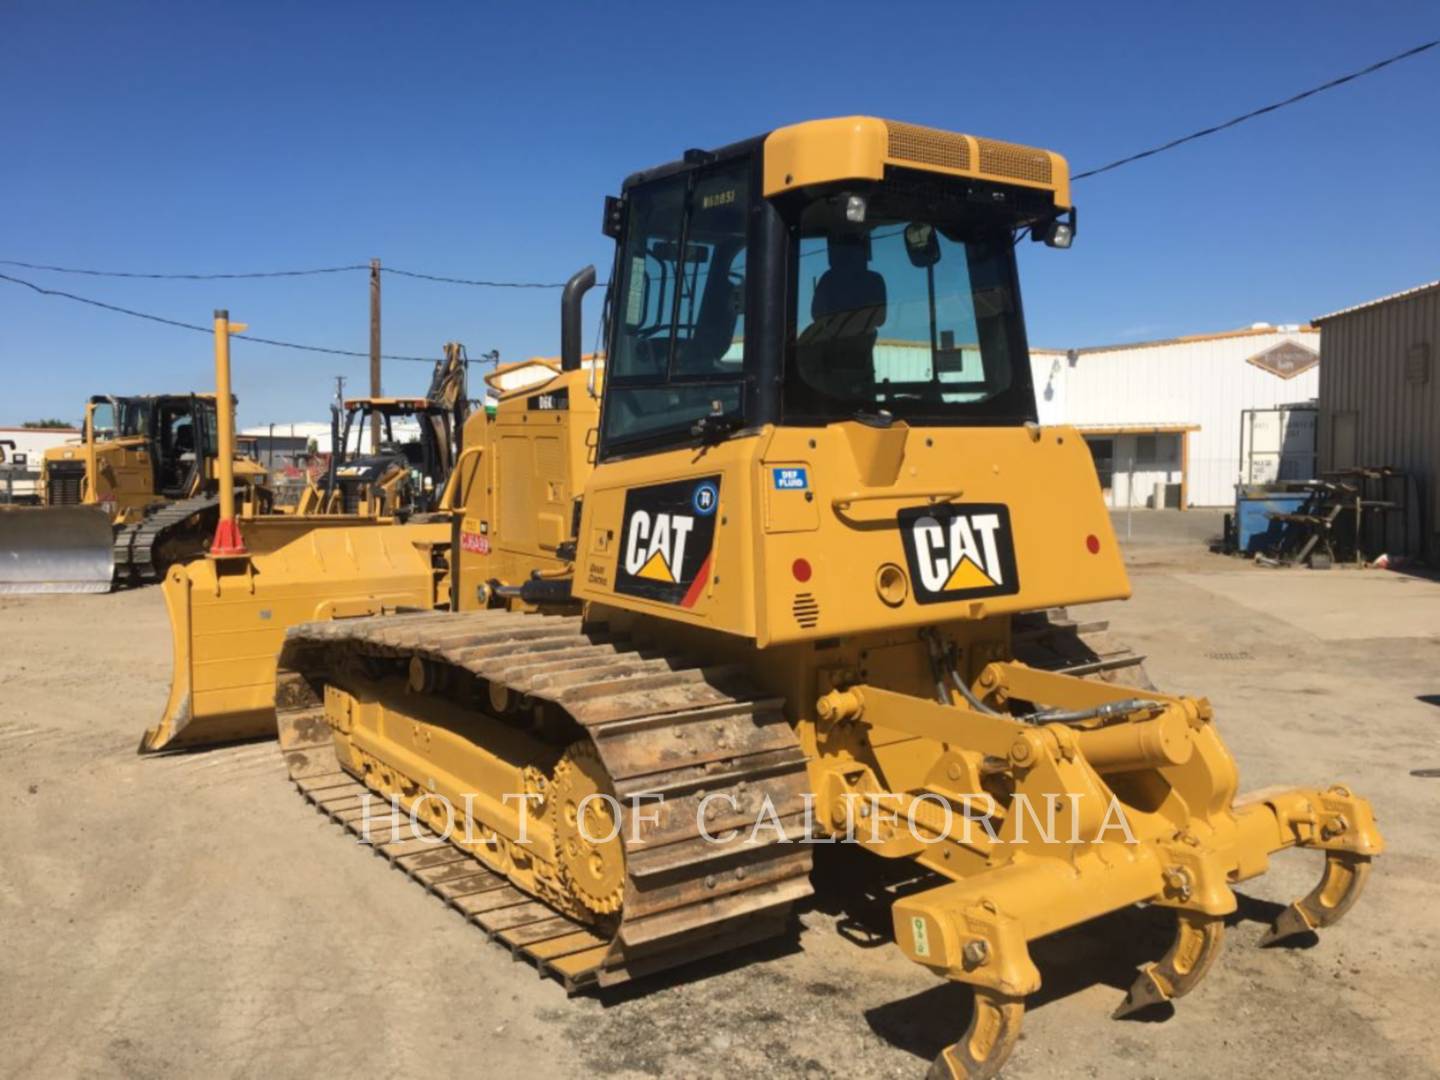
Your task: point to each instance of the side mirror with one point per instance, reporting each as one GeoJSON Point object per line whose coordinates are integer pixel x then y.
{"type": "Point", "coordinates": [922, 244]}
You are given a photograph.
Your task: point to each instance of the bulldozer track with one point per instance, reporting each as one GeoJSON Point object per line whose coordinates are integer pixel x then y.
{"type": "Point", "coordinates": [659, 724]}
{"type": "Point", "coordinates": [135, 543]}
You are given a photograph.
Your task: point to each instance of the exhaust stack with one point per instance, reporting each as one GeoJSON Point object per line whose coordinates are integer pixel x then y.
{"type": "Point", "coordinates": [570, 309]}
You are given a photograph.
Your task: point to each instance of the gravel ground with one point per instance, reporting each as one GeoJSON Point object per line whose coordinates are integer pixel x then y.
{"type": "Point", "coordinates": [190, 915]}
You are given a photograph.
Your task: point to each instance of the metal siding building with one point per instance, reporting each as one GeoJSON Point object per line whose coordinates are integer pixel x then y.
{"type": "Point", "coordinates": [1380, 396]}
{"type": "Point", "coordinates": [1173, 407]}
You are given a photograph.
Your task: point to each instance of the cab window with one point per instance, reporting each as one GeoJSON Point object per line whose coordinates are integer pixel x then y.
{"type": "Point", "coordinates": [678, 351]}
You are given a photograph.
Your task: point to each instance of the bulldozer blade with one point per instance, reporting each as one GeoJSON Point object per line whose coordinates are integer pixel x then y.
{"type": "Point", "coordinates": [56, 549]}
{"type": "Point", "coordinates": [228, 617]}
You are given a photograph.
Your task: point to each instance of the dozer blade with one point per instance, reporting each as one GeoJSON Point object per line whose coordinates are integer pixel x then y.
{"type": "Point", "coordinates": [228, 617]}
{"type": "Point", "coordinates": [56, 549]}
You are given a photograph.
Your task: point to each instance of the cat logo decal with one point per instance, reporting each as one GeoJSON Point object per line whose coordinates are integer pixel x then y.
{"type": "Point", "coordinates": [668, 539]}
{"type": "Point", "coordinates": [959, 551]}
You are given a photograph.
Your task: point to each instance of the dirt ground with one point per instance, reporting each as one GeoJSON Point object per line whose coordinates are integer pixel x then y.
{"type": "Point", "coordinates": [190, 915]}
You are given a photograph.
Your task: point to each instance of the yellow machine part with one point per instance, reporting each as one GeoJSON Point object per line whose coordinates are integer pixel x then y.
{"type": "Point", "coordinates": [228, 617]}
{"type": "Point", "coordinates": [56, 549]}
{"type": "Point", "coordinates": [826, 624]}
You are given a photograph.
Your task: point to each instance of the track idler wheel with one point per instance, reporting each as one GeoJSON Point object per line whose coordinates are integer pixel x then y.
{"type": "Point", "coordinates": [589, 844]}
{"type": "Point", "coordinates": [986, 1045]}
{"type": "Point", "coordinates": [1197, 942]}
{"type": "Point", "coordinates": [1340, 886]}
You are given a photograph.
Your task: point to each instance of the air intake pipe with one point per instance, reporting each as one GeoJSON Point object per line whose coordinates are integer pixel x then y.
{"type": "Point", "coordinates": [570, 309]}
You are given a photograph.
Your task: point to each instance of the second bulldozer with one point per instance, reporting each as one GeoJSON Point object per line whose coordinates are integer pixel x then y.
{"type": "Point", "coordinates": [777, 573]}
{"type": "Point", "coordinates": [137, 495]}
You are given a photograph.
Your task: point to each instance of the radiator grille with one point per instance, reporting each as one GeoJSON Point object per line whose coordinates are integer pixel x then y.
{"type": "Point", "coordinates": [806, 609]}
{"type": "Point", "coordinates": [63, 484]}
{"type": "Point", "coordinates": [1014, 162]}
{"type": "Point", "coordinates": [926, 146]}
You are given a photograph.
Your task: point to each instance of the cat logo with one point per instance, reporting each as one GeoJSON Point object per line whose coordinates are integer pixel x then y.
{"type": "Point", "coordinates": [668, 537]}
{"type": "Point", "coordinates": [959, 551]}
{"type": "Point", "coordinates": [654, 547]}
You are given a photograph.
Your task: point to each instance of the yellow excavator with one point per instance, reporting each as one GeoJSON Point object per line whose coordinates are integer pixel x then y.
{"type": "Point", "coordinates": [775, 573]}
{"type": "Point", "coordinates": [137, 495]}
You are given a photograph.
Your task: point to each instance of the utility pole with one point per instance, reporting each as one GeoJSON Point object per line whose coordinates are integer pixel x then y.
{"type": "Point", "coordinates": [374, 351]}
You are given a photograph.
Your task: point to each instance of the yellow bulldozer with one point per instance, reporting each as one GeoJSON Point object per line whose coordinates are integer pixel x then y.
{"type": "Point", "coordinates": [775, 573]}
{"type": "Point", "coordinates": [138, 494]}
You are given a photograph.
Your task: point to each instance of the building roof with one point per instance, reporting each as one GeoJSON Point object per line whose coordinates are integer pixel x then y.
{"type": "Point", "coordinates": [1255, 330]}
{"type": "Point", "coordinates": [1402, 295]}
{"type": "Point", "coordinates": [1135, 429]}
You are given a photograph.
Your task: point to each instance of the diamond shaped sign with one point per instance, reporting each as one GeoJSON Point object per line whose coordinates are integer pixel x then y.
{"type": "Point", "coordinates": [1287, 359]}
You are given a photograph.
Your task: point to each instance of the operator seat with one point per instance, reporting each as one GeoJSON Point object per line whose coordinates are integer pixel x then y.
{"type": "Point", "coordinates": [174, 469]}
{"type": "Point", "coordinates": [836, 352]}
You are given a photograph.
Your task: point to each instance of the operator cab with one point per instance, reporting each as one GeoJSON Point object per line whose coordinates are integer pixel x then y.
{"type": "Point", "coordinates": [764, 283]}
{"type": "Point", "coordinates": [172, 428]}
{"type": "Point", "coordinates": [409, 465]}
{"type": "Point", "coordinates": [818, 415]}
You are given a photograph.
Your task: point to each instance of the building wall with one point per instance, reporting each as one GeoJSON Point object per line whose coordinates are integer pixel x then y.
{"type": "Point", "coordinates": [1380, 399]}
{"type": "Point", "coordinates": [1204, 382]}
{"type": "Point", "coordinates": [1131, 467]}
{"type": "Point", "coordinates": [302, 432]}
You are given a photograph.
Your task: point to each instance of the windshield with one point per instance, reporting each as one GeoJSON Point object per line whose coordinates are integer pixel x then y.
{"type": "Point", "coordinates": [905, 306]}
{"type": "Point", "coordinates": [133, 418]}
{"type": "Point", "coordinates": [679, 317]}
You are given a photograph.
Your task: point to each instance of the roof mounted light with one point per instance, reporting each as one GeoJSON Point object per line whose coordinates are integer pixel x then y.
{"type": "Point", "coordinates": [1058, 232]}
{"type": "Point", "coordinates": [855, 209]}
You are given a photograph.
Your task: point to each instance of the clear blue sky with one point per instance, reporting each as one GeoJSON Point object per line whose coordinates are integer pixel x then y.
{"type": "Point", "coordinates": [477, 139]}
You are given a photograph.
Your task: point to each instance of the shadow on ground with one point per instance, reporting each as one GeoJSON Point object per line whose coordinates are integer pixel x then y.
{"type": "Point", "coordinates": [1107, 951]}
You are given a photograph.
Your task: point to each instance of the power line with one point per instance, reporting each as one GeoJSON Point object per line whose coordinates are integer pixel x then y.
{"type": "Point", "coordinates": [471, 281]}
{"type": "Point", "coordinates": [487, 284]}
{"type": "Point", "coordinates": [204, 329]}
{"type": "Point", "coordinates": [491, 284]}
{"type": "Point", "coordinates": [184, 277]}
{"type": "Point", "coordinates": [1416, 51]}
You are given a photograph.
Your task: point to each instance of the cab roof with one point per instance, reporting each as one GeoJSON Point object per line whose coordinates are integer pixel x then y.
{"type": "Point", "coordinates": [860, 148]}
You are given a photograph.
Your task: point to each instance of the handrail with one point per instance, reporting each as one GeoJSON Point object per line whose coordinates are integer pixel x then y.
{"type": "Point", "coordinates": [842, 502]}
{"type": "Point", "coordinates": [92, 463]}
{"type": "Point", "coordinates": [447, 496]}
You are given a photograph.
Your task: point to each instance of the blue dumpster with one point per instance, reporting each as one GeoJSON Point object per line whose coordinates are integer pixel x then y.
{"type": "Point", "coordinates": [1254, 531]}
